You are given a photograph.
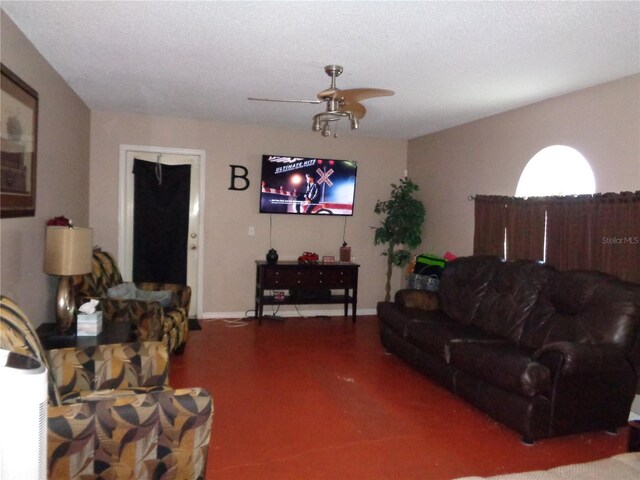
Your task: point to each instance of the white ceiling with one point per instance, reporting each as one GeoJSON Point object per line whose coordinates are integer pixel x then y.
{"type": "Point", "coordinates": [449, 62]}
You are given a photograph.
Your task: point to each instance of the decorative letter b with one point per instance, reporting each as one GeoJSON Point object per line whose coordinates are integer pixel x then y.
{"type": "Point", "coordinates": [243, 177]}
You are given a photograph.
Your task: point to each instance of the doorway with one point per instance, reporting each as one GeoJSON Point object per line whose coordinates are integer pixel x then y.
{"type": "Point", "coordinates": [162, 188]}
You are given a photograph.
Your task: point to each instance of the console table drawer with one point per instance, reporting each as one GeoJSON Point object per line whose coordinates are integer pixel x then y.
{"type": "Point", "coordinates": [330, 277]}
{"type": "Point", "coordinates": [282, 277]}
{"type": "Point", "coordinates": [335, 277]}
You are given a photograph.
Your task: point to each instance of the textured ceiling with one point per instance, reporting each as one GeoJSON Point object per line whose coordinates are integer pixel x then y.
{"type": "Point", "coordinates": [449, 62]}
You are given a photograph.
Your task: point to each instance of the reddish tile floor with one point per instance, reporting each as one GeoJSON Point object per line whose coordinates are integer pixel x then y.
{"type": "Point", "coordinates": [318, 398]}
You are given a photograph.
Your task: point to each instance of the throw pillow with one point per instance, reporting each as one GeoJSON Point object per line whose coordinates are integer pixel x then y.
{"type": "Point", "coordinates": [162, 296]}
{"type": "Point", "coordinates": [124, 291]}
{"type": "Point", "coordinates": [129, 291]}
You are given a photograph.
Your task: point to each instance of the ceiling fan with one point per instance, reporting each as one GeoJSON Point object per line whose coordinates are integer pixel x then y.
{"type": "Point", "coordinates": [340, 103]}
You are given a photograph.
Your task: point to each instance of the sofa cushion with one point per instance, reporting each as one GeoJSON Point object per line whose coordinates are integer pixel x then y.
{"type": "Point", "coordinates": [585, 307]}
{"type": "Point", "coordinates": [84, 396]}
{"type": "Point", "coordinates": [110, 366]}
{"type": "Point", "coordinates": [503, 365]}
{"type": "Point", "coordinates": [165, 297]}
{"type": "Point", "coordinates": [511, 297]}
{"type": "Point", "coordinates": [436, 337]}
{"type": "Point", "coordinates": [463, 285]}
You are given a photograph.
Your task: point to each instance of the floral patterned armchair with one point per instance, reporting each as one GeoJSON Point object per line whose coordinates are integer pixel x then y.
{"type": "Point", "coordinates": [149, 319]}
{"type": "Point", "coordinates": [111, 413]}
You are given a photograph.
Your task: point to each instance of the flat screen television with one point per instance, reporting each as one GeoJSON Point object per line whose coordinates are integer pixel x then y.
{"type": "Point", "coordinates": [305, 185]}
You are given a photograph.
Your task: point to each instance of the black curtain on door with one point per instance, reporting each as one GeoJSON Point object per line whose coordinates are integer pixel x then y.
{"type": "Point", "coordinates": [161, 222]}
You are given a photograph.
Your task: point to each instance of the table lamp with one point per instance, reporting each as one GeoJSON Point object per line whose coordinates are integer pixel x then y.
{"type": "Point", "coordinates": [68, 251]}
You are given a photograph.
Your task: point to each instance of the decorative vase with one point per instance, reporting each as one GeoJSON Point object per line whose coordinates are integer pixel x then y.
{"type": "Point", "coordinates": [272, 256]}
{"type": "Point", "coordinates": [345, 253]}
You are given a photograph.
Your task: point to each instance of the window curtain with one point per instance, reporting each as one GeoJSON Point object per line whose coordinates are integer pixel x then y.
{"type": "Point", "coordinates": [526, 228]}
{"type": "Point", "coordinates": [591, 232]}
{"type": "Point", "coordinates": [616, 234]}
{"type": "Point", "coordinates": [490, 223]}
{"type": "Point", "coordinates": [517, 221]}
{"type": "Point", "coordinates": [569, 232]}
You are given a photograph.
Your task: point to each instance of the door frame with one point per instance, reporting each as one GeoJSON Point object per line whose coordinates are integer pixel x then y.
{"type": "Point", "coordinates": [125, 206]}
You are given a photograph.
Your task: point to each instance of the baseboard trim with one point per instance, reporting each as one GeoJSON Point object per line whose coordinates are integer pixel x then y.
{"type": "Point", "coordinates": [288, 311]}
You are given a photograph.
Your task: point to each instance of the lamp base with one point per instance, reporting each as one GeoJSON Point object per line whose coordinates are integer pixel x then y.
{"type": "Point", "coordinates": [65, 304]}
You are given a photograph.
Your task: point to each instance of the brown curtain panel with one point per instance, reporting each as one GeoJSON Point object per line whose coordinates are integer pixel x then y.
{"type": "Point", "coordinates": [616, 234]}
{"type": "Point", "coordinates": [570, 232]}
{"type": "Point", "coordinates": [584, 232]}
{"type": "Point", "coordinates": [526, 228]}
{"type": "Point", "coordinates": [490, 224]}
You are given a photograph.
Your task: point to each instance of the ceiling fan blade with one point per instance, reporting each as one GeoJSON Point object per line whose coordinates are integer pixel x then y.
{"type": "Point", "coordinates": [283, 100]}
{"type": "Point", "coordinates": [329, 93]}
{"type": "Point", "coordinates": [357, 109]}
{"type": "Point", "coordinates": [354, 95]}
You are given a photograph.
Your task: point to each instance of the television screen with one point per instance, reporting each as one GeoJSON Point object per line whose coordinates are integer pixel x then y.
{"type": "Point", "coordinates": [301, 185]}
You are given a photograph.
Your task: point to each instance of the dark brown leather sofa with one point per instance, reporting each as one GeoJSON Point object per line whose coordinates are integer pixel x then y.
{"type": "Point", "coordinates": [545, 352]}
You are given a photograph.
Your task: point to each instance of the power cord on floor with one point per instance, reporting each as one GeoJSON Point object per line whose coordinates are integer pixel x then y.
{"type": "Point", "coordinates": [249, 316]}
{"type": "Point", "coordinates": [274, 315]}
{"type": "Point", "coordinates": [236, 322]}
{"type": "Point", "coordinates": [229, 322]}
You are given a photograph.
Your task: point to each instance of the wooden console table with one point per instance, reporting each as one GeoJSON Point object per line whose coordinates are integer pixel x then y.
{"type": "Point", "coordinates": [312, 283]}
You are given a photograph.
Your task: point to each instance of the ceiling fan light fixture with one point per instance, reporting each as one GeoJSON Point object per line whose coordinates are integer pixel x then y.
{"type": "Point", "coordinates": [339, 103]}
{"type": "Point", "coordinates": [322, 121]}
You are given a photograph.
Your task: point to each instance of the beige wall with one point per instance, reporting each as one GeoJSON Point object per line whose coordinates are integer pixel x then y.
{"type": "Point", "coordinates": [63, 169]}
{"type": "Point", "coordinates": [487, 156]}
{"type": "Point", "coordinates": [228, 251]}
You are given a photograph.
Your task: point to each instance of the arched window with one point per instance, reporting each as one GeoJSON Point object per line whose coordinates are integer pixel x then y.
{"type": "Point", "coordinates": [556, 170]}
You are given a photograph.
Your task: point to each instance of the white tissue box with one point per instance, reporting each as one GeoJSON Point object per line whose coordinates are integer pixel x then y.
{"type": "Point", "coordinates": [89, 324]}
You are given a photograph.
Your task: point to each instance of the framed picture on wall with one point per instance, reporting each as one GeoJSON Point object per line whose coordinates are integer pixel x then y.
{"type": "Point", "coordinates": [19, 137]}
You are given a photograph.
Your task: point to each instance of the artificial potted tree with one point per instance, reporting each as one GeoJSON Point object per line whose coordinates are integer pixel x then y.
{"type": "Point", "coordinates": [401, 226]}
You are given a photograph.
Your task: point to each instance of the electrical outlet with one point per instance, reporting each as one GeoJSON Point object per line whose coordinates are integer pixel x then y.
{"type": "Point", "coordinates": [252, 231]}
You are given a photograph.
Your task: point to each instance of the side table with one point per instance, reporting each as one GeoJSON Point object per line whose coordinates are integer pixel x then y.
{"type": "Point", "coordinates": [112, 332]}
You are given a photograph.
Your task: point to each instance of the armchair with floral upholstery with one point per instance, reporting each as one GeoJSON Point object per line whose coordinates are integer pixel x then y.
{"type": "Point", "coordinates": [111, 413]}
{"type": "Point", "coordinates": [150, 320]}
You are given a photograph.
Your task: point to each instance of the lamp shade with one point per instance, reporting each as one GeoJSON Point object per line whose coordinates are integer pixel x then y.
{"type": "Point", "coordinates": [68, 251]}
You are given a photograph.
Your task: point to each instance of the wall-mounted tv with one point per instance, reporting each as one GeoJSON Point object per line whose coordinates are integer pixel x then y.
{"type": "Point", "coordinates": [304, 185]}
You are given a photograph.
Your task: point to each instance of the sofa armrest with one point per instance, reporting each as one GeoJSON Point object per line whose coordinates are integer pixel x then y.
{"type": "Point", "coordinates": [131, 436]}
{"type": "Point", "coordinates": [113, 366]}
{"type": "Point", "coordinates": [416, 299]}
{"type": "Point", "coordinates": [569, 358]}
